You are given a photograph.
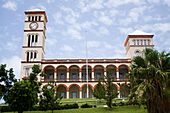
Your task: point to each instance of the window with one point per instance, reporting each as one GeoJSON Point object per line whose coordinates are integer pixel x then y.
{"type": "Point", "coordinates": [32, 18]}
{"type": "Point", "coordinates": [149, 42]}
{"type": "Point", "coordinates": [137, 42]}
{"type": "Point", "coordinates": [74, 76]}
{"type": "Point", "coordinates": [35, 18]}
{"type": "Point", "coordinates": [32, 39]}
{"type": "Point", "coordinates": [31, 55]}
{"type": "Point", "coordinates": [29, 18]}
{"type": "Point", "coordinates": [141, 42]}
{"type": "Point", "coordinates": [144, 42]}
{"type": "Point", "coordinates": [134, 42]}
{"type": "Point", "coordinates": [39, 18]}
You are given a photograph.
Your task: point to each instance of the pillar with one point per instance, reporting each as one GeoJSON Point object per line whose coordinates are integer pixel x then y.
{"type": "Point", "coordinates": [80, 75]}
{"type": "Point", "coordinates": [55, 75]}
{"type": "Point", "coordinates": [118, 93]}
{"type": "Point", "coordinates": [67, 76]}
{"type": "Point", "coordinates": [92, 75]}
{"type": "Point", "coordinates": [117, 74]}
{"type": "Point", "coordinates": [80, 94]}
{"type": "Point", "coordinates": [67, 94]}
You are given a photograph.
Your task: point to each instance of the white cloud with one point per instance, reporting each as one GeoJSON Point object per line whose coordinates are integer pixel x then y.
{"type": "Point", "coordinates": [93, 44]}
{"type": "Point", "coordinates": [167, 2]}
{"type": "Point", "coordinates": [125, 30]}
{"type": "Point", "coordinates": [67, 48]}
{"type": "Point", "coordinates": [105, 20]}
{"type": "Point", "coordinates": [73, 33]}
{"type": "Point", "coordinates": [11, 5]}
{"type": "Point", "coordinates": [103, 31]}
{"type": "Point", "coordinates": [13, 62]}
{"type": "Point", "coordinates": [50, 1]}
{"type": "Point", "coordinates": [58, 18]}
{"type": "Point", "coordinates": [117, 3]}
{"type": "Point", "coordinates": [158, 27]}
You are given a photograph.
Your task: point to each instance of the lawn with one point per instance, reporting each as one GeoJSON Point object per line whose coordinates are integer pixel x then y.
{"type": "Point", "coordinates": [118, 109]}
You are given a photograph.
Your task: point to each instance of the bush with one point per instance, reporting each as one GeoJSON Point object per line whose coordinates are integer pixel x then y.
{"type": "Point", "coordinates": [69, 106]}
{"type": "Point", "coordinates": [86, 106]}
{"type": "Point", "coordinates": [5, 109]}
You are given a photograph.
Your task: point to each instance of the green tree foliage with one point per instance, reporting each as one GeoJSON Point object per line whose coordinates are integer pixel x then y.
{"type": "Point", "coordinates": [150, 80]}
{"type": "Point", "coordinates": [24, 94]}
{"type": "Point", "coordinates": [49, 100]}
{"type": "Point", "coordinates": [108, 91]}
{"type": "Point", "coordinates": [99, 91]}
{"type": "Point", "coordinates": [7, 79]}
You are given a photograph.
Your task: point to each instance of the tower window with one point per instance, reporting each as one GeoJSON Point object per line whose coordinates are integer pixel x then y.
{"type": "Point", "coordinates": [29, 18]}
{"type": "Point", "coordinates": [39, 18]}
{"type": "Point", "coordinates": [144, 42]}
{"type": "Point", "coordinates": [31, 56]}
{"type": "Point", "coordinates": [35, 18]}
{"type": "Point", "coordinates": [29, 40]}
{"type": "Point", "coordinates": [27, 56]}
{"type": "Point", "coordinates": [32, 18]}
{"type": "Point", "coordinates": [36, 38]}
{"type": "Point", "coordinates": [134, 42]}
{"type": "Point", "coordinates": [137, 42]}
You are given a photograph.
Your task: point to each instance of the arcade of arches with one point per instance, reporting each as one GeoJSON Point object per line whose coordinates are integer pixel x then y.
{"type": "Point", "coordinates": [77, 91]}
{"type": "Point", "coordinates": [75, 73]}
{"type": "Point", "coordinates": [71, 81]}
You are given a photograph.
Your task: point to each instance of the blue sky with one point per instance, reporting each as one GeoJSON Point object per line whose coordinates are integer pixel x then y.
{"type": "Point", "coordinates": [105, 24]}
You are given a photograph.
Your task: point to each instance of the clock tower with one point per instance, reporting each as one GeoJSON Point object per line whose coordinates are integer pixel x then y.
{"type": "Point", "coordinates": [34, 40]}
{"type": "Point", "coordinates": [136, 42]}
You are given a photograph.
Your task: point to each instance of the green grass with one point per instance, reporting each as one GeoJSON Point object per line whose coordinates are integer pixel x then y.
{"type": "Point", "coordinates": [118, 109]}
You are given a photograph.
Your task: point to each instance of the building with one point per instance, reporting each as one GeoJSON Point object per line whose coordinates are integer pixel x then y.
{"type": "Point", "coordinates": [69, 75]}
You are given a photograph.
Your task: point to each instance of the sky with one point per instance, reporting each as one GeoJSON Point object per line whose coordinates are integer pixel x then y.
{"type": "Point", "coordinates": [105, 25]}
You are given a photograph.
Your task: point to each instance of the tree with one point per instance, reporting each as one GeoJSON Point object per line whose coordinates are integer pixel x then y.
{"type": "Point", "coordinates": [24, 94]}
{"type": "Point", "coordinates": [99, 91]}
{"type": "Point", "coordinates": [49, 100]}
{"type": "Point", "coordinates": [107, 91]}
{"type": "Point", "coordinates": [150, 78]}
{"type": "Point", "coordinates": [7, 79]}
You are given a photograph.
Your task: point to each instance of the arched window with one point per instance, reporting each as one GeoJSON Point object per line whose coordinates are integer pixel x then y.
{"type": "Point", "coordinates": [32, 39]}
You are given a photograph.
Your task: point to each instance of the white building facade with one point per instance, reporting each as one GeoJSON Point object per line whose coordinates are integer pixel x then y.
{"type": "Point", "coordinates": [69, 75]}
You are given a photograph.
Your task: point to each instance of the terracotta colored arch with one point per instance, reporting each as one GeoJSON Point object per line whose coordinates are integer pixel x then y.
{"type": "Point", "coordinates": [60, 85]}
{"type": "Point", "coordinates": [111, 65]}
{"type": "Point", "coordinates": [74, 85]}
{"type": "Point", "coordinates": [49, 66]}
{"type": "Point", "coordinates": [98, 66]}
{"type": "Point", "coordinates": [124, 66]}
{"type": "Point", "coordinates": [61, 66]}
{"type": "Point", "coordinates": [74, 66]}
{"type": "Point", "coordinates": [85, 66]}
{"type": "Point", "coordinates": [84, 85]}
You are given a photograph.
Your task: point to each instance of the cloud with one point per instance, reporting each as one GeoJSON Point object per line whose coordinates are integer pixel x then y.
{"type": "Point", "coordinates": [67, 48]}
{"type": "Point", "coordinates": [13, 62]}
{"type": "Point", "coordinates": [105, 20]}
{"type": "Point", "coordinates": [93, 44]}
{"type": "Point", "coordinates": [74, 33]}
{"type": "Point", "coordinates": [103, 31]}
{"type": "Point", "coordinates": [58, 18]}
{"type": "Point", "coordinates": [117, 3]}
{"type": "Point", "coordinates": [11, 5]}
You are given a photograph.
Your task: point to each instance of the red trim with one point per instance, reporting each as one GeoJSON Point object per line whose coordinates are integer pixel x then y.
{"type": "Point", "coordinates": [37, 12]}
{"type": "Point", "coordinates": [137, 36]}
{"type": "Point", "coordinates": [33, 30]}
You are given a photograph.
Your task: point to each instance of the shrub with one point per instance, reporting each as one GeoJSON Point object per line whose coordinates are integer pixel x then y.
{"type": "Point", "coordinates": [5, 109]}
{"type": "Point", "coordinates": [86, 106]}
{"type": "Point", "coordinates": [69, 106]}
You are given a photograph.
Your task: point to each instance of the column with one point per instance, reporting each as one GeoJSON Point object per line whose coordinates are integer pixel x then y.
{"type": "Point", "coordinates": [92, 75]}
{"type": "Point", "coordinates": [105, 72]}
{"type": "Point", "coordinates": [80, 75]}
{"type": "Point", "coordinates": [118, 94]}
{"type": "Point", "coordinates": [80, 94]}
{"type": "Point", "coordinates": [67, 76]}
{"type": "Point", "coordinates": [67, 94]}
{"type": "Point", "coordinates": [117, 74]}
{"type": "Point", "coordinates": [55, 75]}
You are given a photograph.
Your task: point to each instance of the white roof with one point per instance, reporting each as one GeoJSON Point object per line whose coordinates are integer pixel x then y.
{"type": "Point", "coordinates": [138, 32]}
{"type": "Point", "coordinates": [31, 10]}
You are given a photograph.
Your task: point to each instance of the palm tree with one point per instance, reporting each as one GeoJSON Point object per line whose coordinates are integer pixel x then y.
{"type": "Point", "coordinates": [150, 80]}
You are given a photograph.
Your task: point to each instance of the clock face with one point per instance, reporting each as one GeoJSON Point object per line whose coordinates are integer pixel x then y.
{"type": "Point", "coordinates": [33, 26]}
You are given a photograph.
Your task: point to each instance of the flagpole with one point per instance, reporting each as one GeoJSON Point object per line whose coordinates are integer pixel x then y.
{"type": "Point", "coordinates": [87, 77]}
